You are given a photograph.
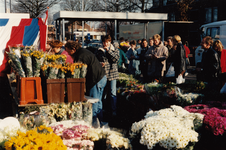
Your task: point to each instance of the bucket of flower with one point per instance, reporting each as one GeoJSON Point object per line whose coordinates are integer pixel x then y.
{"type": "Point", "coordinates": [75, 81]}
{"type": "Point", "coordinates": [53, 70]}
{"type": "Point", "coordinates": [26, 62]}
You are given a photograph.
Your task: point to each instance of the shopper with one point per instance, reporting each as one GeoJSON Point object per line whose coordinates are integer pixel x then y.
{"type": "Point", "coordinates": [95, 78]}
{"type": "Point", "coordinates": [219, 48]}
{"type": "Point", "coordinates": [133, 59]}
{"type": "Point", "coordinates": [170, 51]}
{"type": "Point", "coordinates": [143, 65]}
{"type": "Point", "coordinates": [156, 58]}
{"type": "Point", "coordinates": [179, 57]}
{"type": "Point", "coordinates": [56, 48]}
{"type": "Point", "coordinates": [210, 61]}
{"type": "Point", "coordinates": [150, 42]}
{"type": "Point", "coordinates": [123, 44]}
{"type": "Point", "coordinates": [187, 52]}
{"type": "Point", "coordinates": [123, 61]}
{"type": "Point", "coordinates": [108, 57]}
{"type": "Point", "coordinates": [138, 44]}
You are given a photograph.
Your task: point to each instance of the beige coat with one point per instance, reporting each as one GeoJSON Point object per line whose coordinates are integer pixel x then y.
{"type": "Point", "coordinates": [157, 66]}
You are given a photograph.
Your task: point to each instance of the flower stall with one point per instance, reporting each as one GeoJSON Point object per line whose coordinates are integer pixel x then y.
{"type": "Point", "coordinates": [45, 78]}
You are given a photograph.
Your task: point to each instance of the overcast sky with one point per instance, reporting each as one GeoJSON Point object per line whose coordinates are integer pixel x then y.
{"type": "Point", "coordinates": [2, 6]}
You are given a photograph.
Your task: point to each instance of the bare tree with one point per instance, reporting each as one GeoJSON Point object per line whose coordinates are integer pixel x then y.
{"type": "Point", "coordinates": [76, 5]}
{"type": "Point", "coordinates": [127, 5]}
{"type": "Point", "coordinates": [183, 7]}
{"type": "Point", "coordinates": [33, 7]}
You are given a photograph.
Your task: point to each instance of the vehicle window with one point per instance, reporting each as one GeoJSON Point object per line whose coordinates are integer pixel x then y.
{"type": "Point", "coordinates": [215, 33]}
{"type": "Point", "coordinates": [208, 31]}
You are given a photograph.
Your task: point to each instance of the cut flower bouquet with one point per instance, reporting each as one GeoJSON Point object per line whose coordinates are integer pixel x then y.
{"type": "Point", "coordinates": [26, 61]}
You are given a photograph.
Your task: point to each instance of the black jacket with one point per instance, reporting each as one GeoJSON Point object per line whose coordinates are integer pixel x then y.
{"type": "Point", "coordinates": [210, 64]}
{"type": "Point", "coordinates": [95, 72]}
{"type": "Point", "coordinates": [179, 59]}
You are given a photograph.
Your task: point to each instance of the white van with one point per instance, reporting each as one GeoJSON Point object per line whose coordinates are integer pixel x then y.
{"type": "Point", "coordinates": [217, 30]}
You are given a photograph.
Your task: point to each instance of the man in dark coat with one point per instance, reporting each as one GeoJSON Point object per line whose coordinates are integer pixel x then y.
{"type": "Point", "coordinates": [96, 79]}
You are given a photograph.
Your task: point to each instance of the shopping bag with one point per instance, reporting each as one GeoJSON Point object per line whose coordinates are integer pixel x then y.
{"type": "Point", "coordinates": [223, 89]}
{"type": "Point", "coordinates": [180, 79]}
{"type": "Point", "coordinates": [170, 72]}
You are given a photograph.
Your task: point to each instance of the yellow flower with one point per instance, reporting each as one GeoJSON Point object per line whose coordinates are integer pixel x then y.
{"type": "Point", "coordinates": [32, 140]}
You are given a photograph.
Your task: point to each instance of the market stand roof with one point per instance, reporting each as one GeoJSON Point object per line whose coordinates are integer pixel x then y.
{"type": "Point", "coordinates": [98, 16]}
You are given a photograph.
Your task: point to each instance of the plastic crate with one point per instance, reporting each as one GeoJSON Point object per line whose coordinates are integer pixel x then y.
{"type": "Point", "coordinates": [30, 90]}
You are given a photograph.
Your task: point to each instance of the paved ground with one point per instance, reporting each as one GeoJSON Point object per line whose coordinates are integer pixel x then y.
{"type": "Point", "coordinates": [191, 73]}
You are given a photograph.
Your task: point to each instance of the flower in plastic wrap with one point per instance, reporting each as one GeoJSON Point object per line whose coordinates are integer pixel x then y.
{"type": "Point", "coordinates": [87, 112]}
{"type": "Point", "coordinates": [76, 108]}
{"type": "Point", "coordinates": [15, 61]}
{"type": "Point", "coordinates": [27, 61]}
{"type": "Point", "coordinates": [114, 139]}
{"type": "Point", "coordinates": [83, 71]}
{"type": "Point", "coordinates": [53, 71]}
{"type": "Point", "coordinates": [38, 58]}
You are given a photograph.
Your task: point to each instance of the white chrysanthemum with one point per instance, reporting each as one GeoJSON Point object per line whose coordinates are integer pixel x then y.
{"type": "Point", "coordinates": [172, 127]}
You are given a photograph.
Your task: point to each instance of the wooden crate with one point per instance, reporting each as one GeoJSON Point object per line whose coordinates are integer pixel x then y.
{"type": "Point", "coordinates": [75, 89]}
{"type": "Point", "coordinates": [55, 90]}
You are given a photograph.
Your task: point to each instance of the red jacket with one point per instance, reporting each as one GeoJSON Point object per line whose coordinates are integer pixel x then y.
{"type": "Point", "coordinates": [187, 51]}
{"type": "Point", "coordinates": [69, 58]}
{"type": "Point", "coordinates": [223, 61]}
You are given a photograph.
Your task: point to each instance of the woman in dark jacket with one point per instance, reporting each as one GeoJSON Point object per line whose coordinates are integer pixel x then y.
{"type": "Point", "coordinates": [179, 57]}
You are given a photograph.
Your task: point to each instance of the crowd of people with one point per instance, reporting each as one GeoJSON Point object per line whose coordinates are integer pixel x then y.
{"type": "Point", "coordinates": [148, 60]}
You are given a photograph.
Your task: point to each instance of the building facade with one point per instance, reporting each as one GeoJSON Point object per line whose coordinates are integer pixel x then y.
{"type": "Point", "coordinates": [199, 11]}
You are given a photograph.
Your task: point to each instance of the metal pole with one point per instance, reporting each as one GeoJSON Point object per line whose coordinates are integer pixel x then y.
{"type": "Point", "coordinates": [60, 37]}
{"type": "Point", "coordinates": [63, 27]}
{"type": "Point", "coordinates": [56, 31]}
{"type": "Point", "coordinates": [82, 29]}
{"type": "Point", "coordinates": [5, 7]}
{"type": "Point", "coordinates": [115, 30]}
{"type": "Point", "coordinates": [163, 28]}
